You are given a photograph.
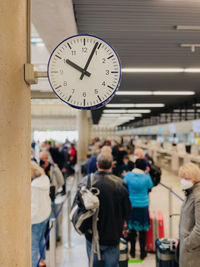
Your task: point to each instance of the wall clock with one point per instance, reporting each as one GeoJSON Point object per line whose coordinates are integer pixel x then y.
{"type": "Point", "coordinates": [84, 71]}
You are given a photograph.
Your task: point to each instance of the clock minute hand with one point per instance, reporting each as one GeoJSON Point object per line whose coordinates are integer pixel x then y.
{"type": "Point", "coordinates": [77, 67]}
{"type": "Point", "coordinates": [88, 61]}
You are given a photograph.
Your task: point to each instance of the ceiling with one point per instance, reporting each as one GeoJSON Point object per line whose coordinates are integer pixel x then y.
{"type": "Point", "coordinates": [144, 34]}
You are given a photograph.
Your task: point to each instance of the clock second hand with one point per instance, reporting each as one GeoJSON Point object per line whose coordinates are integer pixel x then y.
{"type": "Point", "coordinates": [77, 67]}
{"type": "Point", "coordinates": [88, 61]}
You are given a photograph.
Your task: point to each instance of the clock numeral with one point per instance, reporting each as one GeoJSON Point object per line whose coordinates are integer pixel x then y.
{"type": "Point", "coordinates": [84, 94]}
{"type": "Point", "coordinates": [107, 72]}
{"type": "Point", "coordinates": [73, 90]}
{"type": "Point", "coordinates": [65, 83]}
{"type": "Point", "coordinates": [96, 53]}
{"type": "Point", "coordinates": [103, 60]}
{"type": "Point", "coordinates": [104, 83]}
{"type": "Point", "coordinates": [73, 52]}
{"type": "Point", "coordinates": [61, 72]}
{"type": "Point", "coordinates": [84, 49]}
{"type": "Point", "coordinates": [96, 91]}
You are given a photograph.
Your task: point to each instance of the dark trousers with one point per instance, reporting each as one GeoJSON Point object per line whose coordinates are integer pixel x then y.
{"type": "Point", "coordinates": [142, 240]}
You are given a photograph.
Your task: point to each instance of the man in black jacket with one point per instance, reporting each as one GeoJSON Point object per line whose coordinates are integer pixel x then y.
{"type": "Point", "coordinates": [115, 207]}
{"type": "Point", "coordinates": [128, 166]}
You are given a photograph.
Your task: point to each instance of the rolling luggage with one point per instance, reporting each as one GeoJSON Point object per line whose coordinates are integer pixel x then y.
{"type": "Point", "coordinates": [156, 230]}
{"type": "Point", "coordinates": [123, 256]}
{"type": "Point", "coordinates": [165, 253]}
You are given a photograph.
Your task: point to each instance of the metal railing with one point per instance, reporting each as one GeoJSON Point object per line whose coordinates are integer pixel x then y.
{"type": "Point", "coordinates": [171, 192]}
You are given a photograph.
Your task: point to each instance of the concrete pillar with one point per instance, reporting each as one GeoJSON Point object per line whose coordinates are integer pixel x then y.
{"type": "Point", "coordinates": [89, 130]}
{"type": "Point", "coordinates": [14, 138]}
{"type": "Point", "coordinates": [83, 126]}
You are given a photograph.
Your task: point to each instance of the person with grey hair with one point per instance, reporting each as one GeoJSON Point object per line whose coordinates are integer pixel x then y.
{"type": "Point", "coordinates": [92, 162]}
{"type": "Point", "coordinates": [114, 208]}
{"type": "Point", "coordinates": [189, 226]}
{"type": "Point", "coordinates": [40, 212]}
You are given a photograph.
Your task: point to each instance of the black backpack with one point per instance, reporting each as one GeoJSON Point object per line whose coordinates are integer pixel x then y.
{"type": "Point", "coordinates": [155, 173]}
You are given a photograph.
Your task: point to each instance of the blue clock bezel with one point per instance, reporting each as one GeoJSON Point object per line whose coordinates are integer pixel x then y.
{"type": "Point", "coordinates": [103, 102]}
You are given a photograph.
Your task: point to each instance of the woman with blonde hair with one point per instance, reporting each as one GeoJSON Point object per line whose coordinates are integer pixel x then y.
{"type": "Point", "coordinates": [40, 211]}
{"type": "Point", "coordinates": [189, 227]}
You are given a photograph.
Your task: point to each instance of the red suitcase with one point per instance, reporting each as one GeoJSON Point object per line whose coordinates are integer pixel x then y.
{"type": "Point", "coordinates": [156, 229]}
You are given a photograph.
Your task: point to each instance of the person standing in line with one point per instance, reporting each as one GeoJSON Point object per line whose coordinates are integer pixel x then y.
{"type": "Point", "coordinates": [121, 154]}
{"type": "Point", "coordinates": [189, 226]}
{"type": "Point", "coordinates": [139, 154]}
{"type": "Point", "coordinates": [92, 162]}
{"type": "Point", "coordinates": [56, 182]}
{"type": "Point", "coordinates": [40, 211]}
{"type": "Point", "coordinates": [72, 155]}
{"type": "Point", "coordinates": [115, 207]}
{"type": "Point", "coordinates": [53, 172]}
{"type": "Point", "coordinates": [138, 185]}
{"type": "Point", "coordinates": [127, 166]}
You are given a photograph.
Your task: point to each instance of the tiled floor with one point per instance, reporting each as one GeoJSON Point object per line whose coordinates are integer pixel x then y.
{"type": "Point", "coordinates": [159, 200]}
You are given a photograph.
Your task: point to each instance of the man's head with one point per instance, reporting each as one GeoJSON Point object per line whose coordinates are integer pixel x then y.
{"type": "Point", "coordinates": [139, 153]}
{"type": "Point", "coordinates": [126, 159]}
{"type": "Point", "coordinates": [121, 147]}
{"type": "Point", "coordinates": [44, 159]}
{"type": "Point", "coordinates": [58, 145]}
{"type": "Point", "coordinates": [45, 146]}
{"type": "Point", "coordinates": [115, 143]}
{"type": "Point", "coordinates": [141, 164]}
{"type": "Point", "coordinates": [106, 149]}
{"type": "Point", "coordinates": [104, 161]}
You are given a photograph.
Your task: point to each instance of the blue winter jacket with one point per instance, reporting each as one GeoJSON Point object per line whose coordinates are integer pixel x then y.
{"type": "Point", "coordinates": [138, 186]}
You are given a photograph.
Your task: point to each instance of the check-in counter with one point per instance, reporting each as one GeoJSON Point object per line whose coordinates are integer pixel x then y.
{"type": "Point", "coordinates": [169, 158]}
{"type": "Point", "coordinates": [195, 159]}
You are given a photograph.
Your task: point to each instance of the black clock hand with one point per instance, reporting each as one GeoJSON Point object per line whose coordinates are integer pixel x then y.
{"type": "Point", "coordinates": [77, 67]}
{"type": "Point", "coordinates": [88, 61]}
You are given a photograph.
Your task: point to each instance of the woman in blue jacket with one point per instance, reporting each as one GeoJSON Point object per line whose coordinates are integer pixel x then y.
{"type": "Point", "coordinates": [139, 184]}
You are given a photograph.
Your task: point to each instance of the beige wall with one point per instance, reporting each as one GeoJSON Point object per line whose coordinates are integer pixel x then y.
{"type": "Point", "coordinates": [14, 137]}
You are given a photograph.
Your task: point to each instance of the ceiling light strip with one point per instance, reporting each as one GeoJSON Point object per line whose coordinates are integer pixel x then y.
{"type": "Point", "coordinates": [187, 28]}
{"type": "Point", "coordinates": [161, 70]}
{"type": "Point", "coordinates": [126, 111]}
{"type": "Point", "coordinates": [119, 105]}
{"type": "Point", "coordinates": [124, 115]}
{"type": "Point", "coordinates": [133, 93]}
{"type": "Point", "coordinates": [147, 93]}
{"type": "Point", "coordinates": [155, 105]}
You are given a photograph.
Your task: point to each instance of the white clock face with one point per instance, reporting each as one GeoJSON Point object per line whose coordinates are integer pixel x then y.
{"type": "Point", "coordinates": [84, 71]}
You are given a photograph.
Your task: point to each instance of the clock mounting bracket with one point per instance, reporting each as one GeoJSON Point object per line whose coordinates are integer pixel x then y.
{"type": "Point", "coordinates": [31, 76]}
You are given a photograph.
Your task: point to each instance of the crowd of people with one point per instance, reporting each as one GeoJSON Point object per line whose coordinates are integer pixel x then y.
{"type": "Point", "coordinates": [49, 172]}
{"type": "Point", "coordinates": [128, 169]}
{"type": "Point", "coordinates": [122, 173]}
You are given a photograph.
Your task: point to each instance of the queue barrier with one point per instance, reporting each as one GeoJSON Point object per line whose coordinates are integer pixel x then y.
{"type": "Point", "coordinates": [171, 192]}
